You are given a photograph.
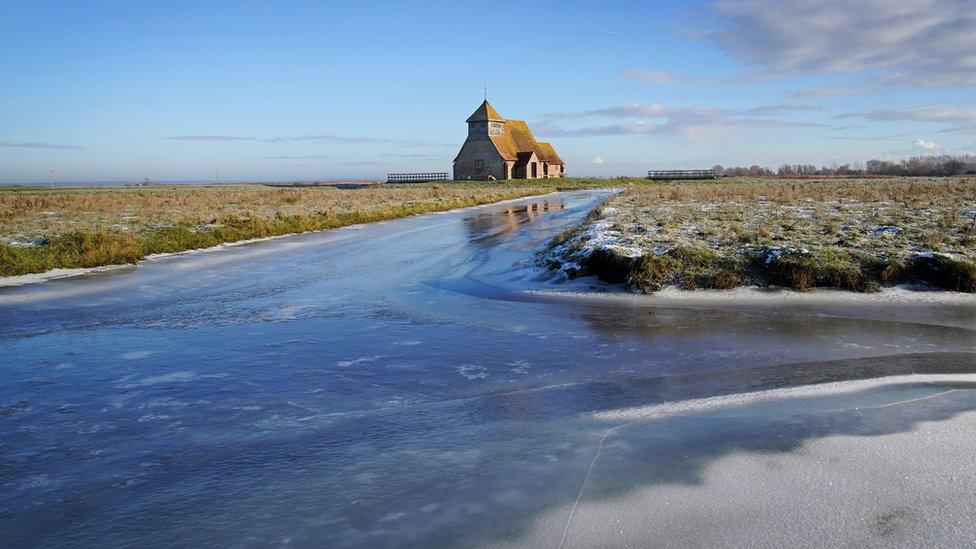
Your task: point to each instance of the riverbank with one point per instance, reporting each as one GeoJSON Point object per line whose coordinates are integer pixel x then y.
{"type": "Point", "coordinates": [77, 228]}
{"type": "Point", "coordinates": [852, 234]}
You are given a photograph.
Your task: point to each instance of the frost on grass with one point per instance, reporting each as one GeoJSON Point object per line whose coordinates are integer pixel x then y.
{"type": "Point", "coordinates": [45, 229]}
{"type": "Point", "coordinates": [853, 234]}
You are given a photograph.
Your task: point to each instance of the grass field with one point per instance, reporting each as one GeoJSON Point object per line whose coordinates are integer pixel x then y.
{"type": "Point", "coordinates": [858, 234]}
{"type": "Point", "coordinates": [801, 233]}
{"type": "Point", "coordinates": [43, 229]}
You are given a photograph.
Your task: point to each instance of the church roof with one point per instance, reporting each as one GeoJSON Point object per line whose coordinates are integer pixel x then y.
{"type": "Point", "coordinates": [484, 113]}
{"type": "Point", "coordinates": [518, 138]}
{"type": "Point", "coordinates": [549, 154]}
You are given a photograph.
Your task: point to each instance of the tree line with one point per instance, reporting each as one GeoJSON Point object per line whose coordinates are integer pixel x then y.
{"type": "Point", "coordinates": [928, 165]}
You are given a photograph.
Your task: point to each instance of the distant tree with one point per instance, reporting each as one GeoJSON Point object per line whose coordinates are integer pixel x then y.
{"type": "Point", "coordinates": [924, 165]}
{"type": "Point", "coordinates": [879, 167]}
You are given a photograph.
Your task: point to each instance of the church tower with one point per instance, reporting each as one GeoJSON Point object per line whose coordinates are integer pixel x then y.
{"type": "Point", "coordinates": [484, 122]}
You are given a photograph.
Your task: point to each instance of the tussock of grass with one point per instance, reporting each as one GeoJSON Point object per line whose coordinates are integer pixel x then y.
{"type": "Point", "coordinates": [944, 272]}
{"type": "Point", "coordinates": [689, 268]}
{"type": "Point", "coordinates": [609, 266]}
{"type": "Point", "coordinates": [824, 268]}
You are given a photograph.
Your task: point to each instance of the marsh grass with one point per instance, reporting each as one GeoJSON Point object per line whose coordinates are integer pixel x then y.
{"type": "Point", "coordinates": [700, 268]}
{"type": "Point", "coordinates": [798, 234]}
{"type": "Point", "coordinates": [104, 226]}
{"type": "Point", "coordinates": [689, 268]}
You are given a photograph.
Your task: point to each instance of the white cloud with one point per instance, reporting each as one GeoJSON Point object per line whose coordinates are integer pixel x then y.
{"type": "Point", "coordinates": [666, 77]}
{"type": "Point", "coordinates": [628, 111]}
{"type": "Point", "coordinates": [925, 144]}
{"type": "Point", "coordinates": [691, 122]}
{"type": "Point", "coordinates": [890, 42]}
{"type": "Point", "coordinates": [35, 145]}
{"type": "Point", "coordinates": [886, 137]}
{"type": "Point", "coordinates": [597, 160]}
{"type": "Point", "coordinates": [957, 119]}
{"type": "Point", "coordinates": [833, 91]}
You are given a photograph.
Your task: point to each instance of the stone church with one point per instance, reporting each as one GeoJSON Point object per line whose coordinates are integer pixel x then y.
{"type": "Point", "coordinates": [504, 149]}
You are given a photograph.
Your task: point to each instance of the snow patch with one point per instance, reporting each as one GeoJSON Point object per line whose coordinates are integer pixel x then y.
{"type": "Point", "coordinates": [360, 360]}
{"type": "Point", "coordinates": [886, 230]}
{"type": "Point", "coordinates": [173, 377]}
{"type": "Point", "coordinates": [772, 253]}
{"type": "Point", "coordinates": [933, 255]}
{"type": "Point", "coordinates": [53, 274]}
{"type": "Point", "coordinates": [519, 366]}
{"type": "Point", "coordinates": [598, 235]}
{"type": "Point", "coordinates": [23, 243]}
{"type": "Point", "coordinates": [472, 371]}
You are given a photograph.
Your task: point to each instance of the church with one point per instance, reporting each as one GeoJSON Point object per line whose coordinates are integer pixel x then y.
{"type": "Point", "coordinates": [497, 148]}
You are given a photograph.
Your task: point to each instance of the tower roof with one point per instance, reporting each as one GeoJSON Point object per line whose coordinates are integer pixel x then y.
{"type": "Point", "coordinates": [485, 113]}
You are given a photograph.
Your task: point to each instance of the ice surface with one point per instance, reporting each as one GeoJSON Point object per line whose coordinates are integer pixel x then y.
{"type": "Point", "coordinates": [291, 392]}
{"type": "Point", "coordinates": [898, 489]}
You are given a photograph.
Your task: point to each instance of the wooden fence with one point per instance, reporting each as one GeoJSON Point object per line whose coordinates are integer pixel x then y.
{"type": "Point", "coordinates": [681, 174]}
{"type": "Point", "coordinates": [416, 177]}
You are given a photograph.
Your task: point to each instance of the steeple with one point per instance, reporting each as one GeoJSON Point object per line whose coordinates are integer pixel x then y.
{"type": "Point", "coordinates": [485, 113]}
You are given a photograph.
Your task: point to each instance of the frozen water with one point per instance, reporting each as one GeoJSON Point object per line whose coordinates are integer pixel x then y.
{"type": "Point", "coordinates": [413, 383]}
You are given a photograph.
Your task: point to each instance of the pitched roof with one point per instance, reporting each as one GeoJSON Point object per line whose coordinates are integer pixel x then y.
{"type": "Point", "coordinates": [484, 113]}
{"type": "Point", "coordinates": [549, 154]}
{"type": "Point", "coordinates": [518, 138]}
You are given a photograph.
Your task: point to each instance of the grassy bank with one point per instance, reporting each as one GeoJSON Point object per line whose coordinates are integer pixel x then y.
{"type": "Point", "coordinates": [43, 229]}
{"type": "Point", "coordinates": [853, 234]}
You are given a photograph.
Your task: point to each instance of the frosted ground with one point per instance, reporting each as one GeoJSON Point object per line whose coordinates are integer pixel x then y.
{"type": "Point", "coordinates": [418, 382]}
{"type": "Point", "coordinates": [884, 217]}
{"type": "Point", "coordinates": [854, 234]}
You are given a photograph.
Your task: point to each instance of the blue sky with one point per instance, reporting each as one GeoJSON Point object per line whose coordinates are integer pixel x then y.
{"type": "Point", "coordinates": [109, 91]}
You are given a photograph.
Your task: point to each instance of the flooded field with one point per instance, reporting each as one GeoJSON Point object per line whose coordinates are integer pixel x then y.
{"type": "Point", "coordinates": [421, 382]}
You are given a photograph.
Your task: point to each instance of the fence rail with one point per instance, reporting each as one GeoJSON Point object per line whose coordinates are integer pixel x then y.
{"type": "Point", "coordinates": [681, 174]}
{"type": "Point", "coordinates": [416, 177]}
